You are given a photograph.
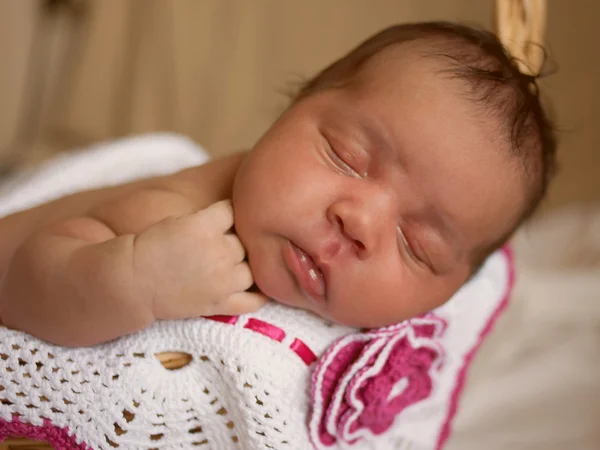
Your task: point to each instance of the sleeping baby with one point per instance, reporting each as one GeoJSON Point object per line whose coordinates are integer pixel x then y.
{"type": "Point", "coordinates": [372, 199]}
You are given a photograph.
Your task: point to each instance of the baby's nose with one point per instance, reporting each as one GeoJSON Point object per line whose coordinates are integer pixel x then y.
{"type": "Point", "coordinates": [362, 223]}
{"type": "Point", "coordinates": [354, 232]}
{"type": "Point", "coordinates": [358, 228]}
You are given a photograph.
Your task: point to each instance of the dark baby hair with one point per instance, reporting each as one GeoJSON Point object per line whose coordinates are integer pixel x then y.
{"type": "Point", "coordinates": [493, 83]}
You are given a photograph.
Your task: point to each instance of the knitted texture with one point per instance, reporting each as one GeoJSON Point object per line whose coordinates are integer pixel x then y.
{"type": "Point", "coordinates": [279, 378]}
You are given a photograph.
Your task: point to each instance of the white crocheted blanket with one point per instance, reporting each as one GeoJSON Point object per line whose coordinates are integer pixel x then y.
{"type": "Point", "coordinates": [277, 379]}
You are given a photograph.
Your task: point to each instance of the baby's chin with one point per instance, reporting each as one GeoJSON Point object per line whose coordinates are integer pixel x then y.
{"type": "Point", "coordinates": [269, 284]}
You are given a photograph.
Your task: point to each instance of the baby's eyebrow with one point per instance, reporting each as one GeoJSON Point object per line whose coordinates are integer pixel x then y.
{"type": "Point", "coordinates": [365, 129]}
{"type": "Point", "coordinates": [376, 135]}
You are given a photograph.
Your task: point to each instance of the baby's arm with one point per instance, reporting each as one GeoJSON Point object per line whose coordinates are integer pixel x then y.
{"type": "Point", "coordinates": [88, 279]}
{"type": "Point", "coordinates": [72, 284]}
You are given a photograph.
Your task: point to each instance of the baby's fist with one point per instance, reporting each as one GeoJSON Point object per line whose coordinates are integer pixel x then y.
{"type": "Point", "coordinates": [193, 265]}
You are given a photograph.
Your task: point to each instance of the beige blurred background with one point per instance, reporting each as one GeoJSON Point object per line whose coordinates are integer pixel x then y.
{"type": "Point", "coordinates": [216, 70]}
{"type": "Point", "coordinates": [81, 71]}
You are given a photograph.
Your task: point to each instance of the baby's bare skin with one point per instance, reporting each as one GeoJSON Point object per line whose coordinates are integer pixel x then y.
{"type": "Point", "coordinates": [99, 264]}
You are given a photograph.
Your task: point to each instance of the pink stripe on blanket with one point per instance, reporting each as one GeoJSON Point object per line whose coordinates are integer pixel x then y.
{"type": "Point", "coordinates": [273, 332]}
{"type": "Point", "coordinates": [58, 438]}
{"type": "Point", "coordinates": [462, 376]}
{"type": "Point", "coordinates": [265, 328]}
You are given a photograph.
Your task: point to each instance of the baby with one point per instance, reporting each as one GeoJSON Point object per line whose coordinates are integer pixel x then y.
{"type": "Point", "coordinates": [390, 178]}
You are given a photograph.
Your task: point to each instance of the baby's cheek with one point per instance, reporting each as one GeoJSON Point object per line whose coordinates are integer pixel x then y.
{"type": "Point", "coordinates": [378, 304]}
{"type": "Point", "coordinates": [355, 311]}
{"type": "Point", "coordinates": [270, 279]}
{"type": "Point", "coordinates": [261, 276]}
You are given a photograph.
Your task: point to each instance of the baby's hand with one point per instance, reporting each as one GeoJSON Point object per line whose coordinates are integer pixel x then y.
{"type": "Point", "coordinates": [193, 266]}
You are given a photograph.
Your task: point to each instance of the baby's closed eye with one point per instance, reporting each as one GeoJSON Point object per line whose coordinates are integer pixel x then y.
{"type": "Point", "coordinates": [345, 157]}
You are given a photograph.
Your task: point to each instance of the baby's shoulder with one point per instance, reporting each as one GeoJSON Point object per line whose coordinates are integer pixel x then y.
{"type": "Point", "coordinates": [205, 184]}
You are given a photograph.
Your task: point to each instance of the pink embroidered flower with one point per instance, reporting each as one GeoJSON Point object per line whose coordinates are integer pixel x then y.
{"type": "Point", "coordinates": [367, 379]}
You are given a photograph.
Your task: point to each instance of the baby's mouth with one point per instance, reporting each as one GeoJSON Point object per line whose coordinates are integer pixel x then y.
{"type": "Point", "coordinates": [307, 273]}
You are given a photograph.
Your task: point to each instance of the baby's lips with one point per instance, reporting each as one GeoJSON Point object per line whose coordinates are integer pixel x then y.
{"type": "Point", "coordinates": [317, 281]}
{"type": "Point", "coordinates": [308, 274]}
{"type": "Point", "coordinates": [310, 277]}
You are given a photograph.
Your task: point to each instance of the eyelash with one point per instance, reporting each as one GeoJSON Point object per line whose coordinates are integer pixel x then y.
{"type": "Point", "coordinates": [408, 247]}
{"type": "Point", "coordinates": [339, 161]}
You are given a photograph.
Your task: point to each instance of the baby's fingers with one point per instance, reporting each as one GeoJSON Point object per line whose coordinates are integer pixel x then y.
{"type": "Point", "coordinates": [244, 302]}
{"type": "Point", "coordinates": [238, 253]}
{"type": "Point", "coordinates": [241, 277]}
{"type": "Point", "coordinates": [219, 214]}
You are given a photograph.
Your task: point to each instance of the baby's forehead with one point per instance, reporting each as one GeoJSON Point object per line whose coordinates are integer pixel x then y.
{"type": "Point", "coordinates": [417, 58]}
{"type": "Point", "coordinates": [417, 68]}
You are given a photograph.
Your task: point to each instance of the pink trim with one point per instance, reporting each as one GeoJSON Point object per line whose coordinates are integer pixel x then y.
{"type": "Point", "coordinates": [353, 383]}
{"type": "Point", "coordinates": [302, 350]}
{"type": "Point", "coordinates": [225, 319]}
{"type": "Point", "coordinates": [462, 375]}
{"type": "Point", "coordinates": [262, 327]}
{"type": "Point", "coordinates": [59, 438]}
{"type": "Point", "coordinates": [273, 332]}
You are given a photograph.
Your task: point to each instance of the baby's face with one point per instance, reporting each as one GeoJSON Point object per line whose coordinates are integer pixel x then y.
{"type": "Point", "coordinates": [365, 205]}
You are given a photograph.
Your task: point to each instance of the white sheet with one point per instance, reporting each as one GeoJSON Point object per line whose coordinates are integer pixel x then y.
{"type": "Point", "coordinates": [536, 382]}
